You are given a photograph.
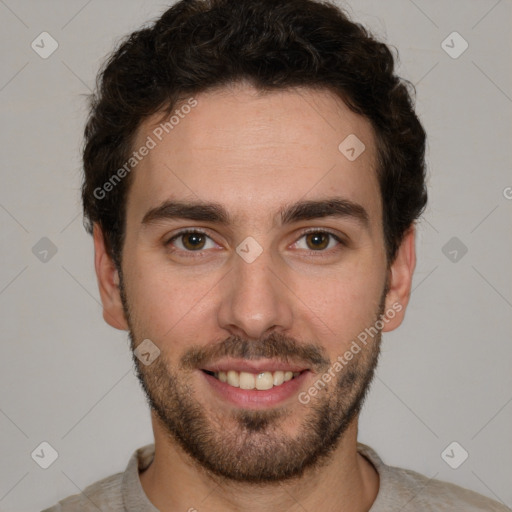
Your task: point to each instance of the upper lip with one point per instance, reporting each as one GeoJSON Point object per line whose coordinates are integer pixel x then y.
{"type": "Point", "coordinates": [257, 366]}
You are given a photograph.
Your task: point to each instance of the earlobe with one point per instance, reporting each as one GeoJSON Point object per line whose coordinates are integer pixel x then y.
{"type": "Point", "coordinates": [400, 281]}
{"type": "Point", "coordinates": [108, 283]}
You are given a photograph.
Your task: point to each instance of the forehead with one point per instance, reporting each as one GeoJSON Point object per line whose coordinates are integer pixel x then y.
{"type": "Point", "coordinates": [254, 151]}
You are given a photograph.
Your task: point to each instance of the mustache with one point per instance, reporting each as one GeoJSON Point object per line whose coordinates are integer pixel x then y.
{"type": "Point", "coordinates": [276, 346]}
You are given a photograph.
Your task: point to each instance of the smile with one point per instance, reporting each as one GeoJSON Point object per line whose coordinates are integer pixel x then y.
{"type": "Point", "coordinates": [262, 380]}
{"type": "Point", "coordinates": [255, 384]}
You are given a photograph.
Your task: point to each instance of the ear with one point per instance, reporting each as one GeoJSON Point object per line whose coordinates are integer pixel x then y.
{"type": "Point", "coordinates": [108, 283]}
{"type": "Point", "coordinates": [400, 281]}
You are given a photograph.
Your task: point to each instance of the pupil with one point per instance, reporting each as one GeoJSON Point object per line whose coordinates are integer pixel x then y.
{"type": "Point", "coordinates": [193, 239]}
{"type": "Point", "coordinates": [319, 240]}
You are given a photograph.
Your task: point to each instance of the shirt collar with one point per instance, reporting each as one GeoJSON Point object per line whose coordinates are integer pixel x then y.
{"type": "Point", "coordinates": [135, 499]}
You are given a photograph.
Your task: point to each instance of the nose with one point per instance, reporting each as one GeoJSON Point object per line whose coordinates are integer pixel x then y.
{"type": "Point", "coordinates": [255, 298]}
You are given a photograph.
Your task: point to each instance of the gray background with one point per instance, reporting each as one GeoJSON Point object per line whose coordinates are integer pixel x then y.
{"type": "Point", "coordinates": [444, 376]}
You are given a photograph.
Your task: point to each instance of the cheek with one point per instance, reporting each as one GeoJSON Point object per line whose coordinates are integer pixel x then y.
{"type": "Point", "coordinates": [167, 306]}
{"type": "Point", "coordinates": [342, 304]}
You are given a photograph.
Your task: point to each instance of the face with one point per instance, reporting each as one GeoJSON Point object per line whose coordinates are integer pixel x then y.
{"type": "Point", "coordinates": [254, 257]}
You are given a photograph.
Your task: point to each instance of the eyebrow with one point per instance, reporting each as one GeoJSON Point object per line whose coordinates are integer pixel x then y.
{"type": "Point", "coordinates": [216, 213]}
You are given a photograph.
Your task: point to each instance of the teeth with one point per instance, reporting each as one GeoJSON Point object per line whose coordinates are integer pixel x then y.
{"type": "Point", "coordinates": [278, 378]}
{"type": "Point", "coordinates": [264, 380]}
{"type": "Point", "coordinates": [246, 380]}
{"type": "Point", "coordinates": [233, 378]}
{"type": "Point", "coordinates": [260, 381]}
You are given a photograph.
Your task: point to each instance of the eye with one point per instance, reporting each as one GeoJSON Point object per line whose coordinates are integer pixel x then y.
{"type": "Point", "coordinates": [319, 240]}
{"type": "Point", "coordinates": [191, 240]}
{"type": "Point", "coordinates": [195, 240]}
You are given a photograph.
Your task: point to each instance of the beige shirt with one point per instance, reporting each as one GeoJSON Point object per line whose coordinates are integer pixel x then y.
{"type": "Point", "coordinates": [400, 490]}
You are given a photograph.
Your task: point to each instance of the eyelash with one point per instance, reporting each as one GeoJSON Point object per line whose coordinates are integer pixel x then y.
{"type": "Point", "coordinates": [319, 253]}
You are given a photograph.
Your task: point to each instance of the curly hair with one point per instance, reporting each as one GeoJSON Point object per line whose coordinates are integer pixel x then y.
{"type": "Point", "coordinates": [198, 45]}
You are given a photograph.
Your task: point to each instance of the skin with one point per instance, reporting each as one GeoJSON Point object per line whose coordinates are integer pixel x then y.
{"type": "Point", "coordinates": [255, 153]}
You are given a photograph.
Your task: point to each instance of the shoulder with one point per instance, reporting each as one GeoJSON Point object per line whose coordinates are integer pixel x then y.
{"type": "Point", "coordinates": [104, 495]}
{"type": "Point", "coordinates": [408, 491]}
{"type": "Point", "coordinates": [428, 494]}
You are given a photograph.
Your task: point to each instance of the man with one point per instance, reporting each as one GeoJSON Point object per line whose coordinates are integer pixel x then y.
{"type": "Point", "coordinates": [253, 173]}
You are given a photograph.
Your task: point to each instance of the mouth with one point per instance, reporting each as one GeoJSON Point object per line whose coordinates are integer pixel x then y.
{"type": "Point", "coordinates": [255, 384]}
{"type": "Point", "coordinates": [261, 381]}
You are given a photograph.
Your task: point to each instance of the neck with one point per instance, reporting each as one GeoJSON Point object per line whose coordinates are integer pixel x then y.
{"type": "Point", "coordinates": [347, 482]}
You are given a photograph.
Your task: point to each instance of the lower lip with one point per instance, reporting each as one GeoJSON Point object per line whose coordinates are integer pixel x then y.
{"type": "Point", "coordinates": [254, 398]}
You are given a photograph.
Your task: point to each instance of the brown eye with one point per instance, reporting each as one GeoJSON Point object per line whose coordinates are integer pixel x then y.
{"type": "Point", "coordinates": [193, 241]}
{"type": "Point", "coordinates": [318, 240]}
